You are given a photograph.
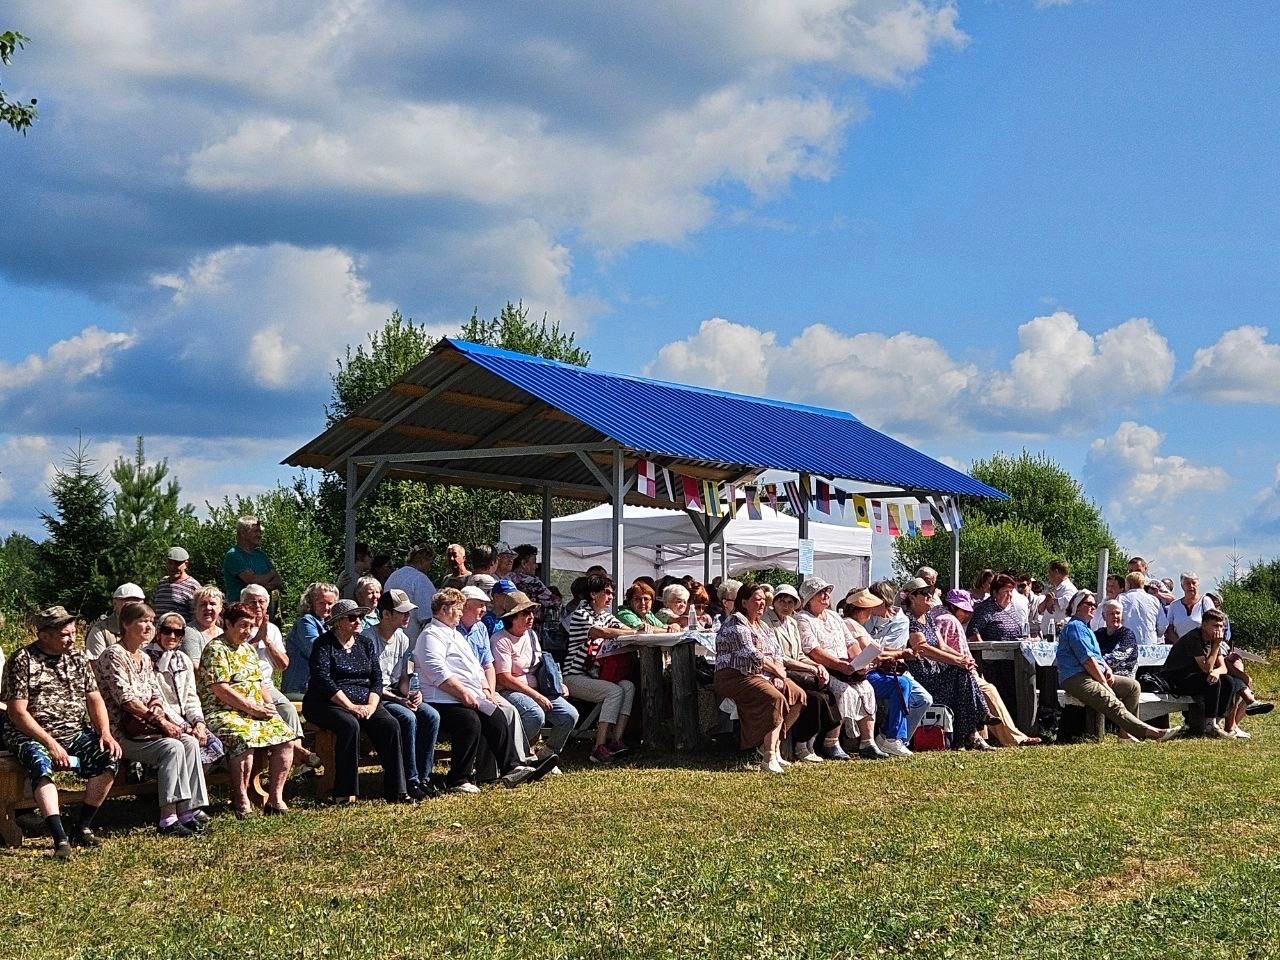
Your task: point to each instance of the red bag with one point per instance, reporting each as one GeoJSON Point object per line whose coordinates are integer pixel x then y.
{"type": "Point", "coordinates": [617, 668]}
{"type": "Point", "coordinates": [929, 738]}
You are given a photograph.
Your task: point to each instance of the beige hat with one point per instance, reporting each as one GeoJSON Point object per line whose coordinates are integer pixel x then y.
{"type": "Point", "coordinates": [475, 593]}
{"type": "Point", "coordinates": [916, 583]}
{"type": "Point", "coordinates": [128, 591]}
{"type": "Point", "coordinates": [509, 604]}
{"type": "Point", "coordinates": [863, 599]}
{"type": "Point", "coordinates": [786, 590]}
{"type": "Point", "coordinates": [178, 555]}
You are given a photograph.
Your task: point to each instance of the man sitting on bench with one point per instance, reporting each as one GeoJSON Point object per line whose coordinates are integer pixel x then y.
{"type": "Point", "coordinates": [48, 687]}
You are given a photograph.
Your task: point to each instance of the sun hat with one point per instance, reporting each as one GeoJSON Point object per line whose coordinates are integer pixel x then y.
{"type": "Point", "coordinates": [863, 599]}
{"type": "Point", "coordinates": [916, 583]}
{"type": "Point", "coordinates": [786, 590]}
{"type": "Point", "coordinates": [960, 599]}
{"type": "Point", "coordinates": [811, 587]}
{"type": "Point", "coordinates": [513, 603]}
{"type": "Point", "coordinates": [343, 609]}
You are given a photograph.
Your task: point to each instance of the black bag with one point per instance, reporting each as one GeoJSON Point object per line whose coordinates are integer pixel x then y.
{"type": "Point", "coordinates": [1152, 681]}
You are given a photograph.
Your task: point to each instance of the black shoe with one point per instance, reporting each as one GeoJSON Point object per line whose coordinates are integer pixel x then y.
{"type": "Point", "coordinates": [543, 767]}
{"type": "Point", "coordinates": [83, 837]}
{"type": "Point", "coordinates": [271, 811]}
{"type": "Point", "coordinates": [176, 829]}
{"type": "Point", "coordinates": [407, 798]}
{"type": "Point", "coordinates": [1259, 707]}
{"type": "Point", "coordinates": [416, 791]}
{"type": "Point", "coordinates": [62, 850]}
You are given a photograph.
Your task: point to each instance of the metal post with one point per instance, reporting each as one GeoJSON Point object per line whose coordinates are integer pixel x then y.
{"type": "Point", "coordinates": [349, 525]}
{"type": "Point", "coordinates": [546, 535]}
{"type": "Point", "coordinates": [618, 495]}
{"type": "Point", "coordinates": [1104, 561]}
{"type": "Point", "coordinates": [804, 512]}
{"type": "Point", "coordinates": [724, 558]}
{"type": "Point", "coordinates": [955, 559]}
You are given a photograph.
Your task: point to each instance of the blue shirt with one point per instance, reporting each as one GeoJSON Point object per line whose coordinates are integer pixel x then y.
{"type": "Point", "coordinates": [298, 645]}
{"type": "Point", "coordinates": [1076, 644]}
{"type": "Point", "coordinates": [479, 637]}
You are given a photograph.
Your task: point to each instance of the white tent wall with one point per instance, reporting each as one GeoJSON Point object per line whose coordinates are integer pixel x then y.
{"type": "Point", "coordinates": [662, 542]}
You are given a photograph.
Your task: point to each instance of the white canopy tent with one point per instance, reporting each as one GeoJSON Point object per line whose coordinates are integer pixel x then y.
{"type": "Point", "coordinates": [659, 542]}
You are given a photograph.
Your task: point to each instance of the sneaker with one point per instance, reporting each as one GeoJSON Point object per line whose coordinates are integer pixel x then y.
{"type": "Point", "coordinates": [1240, 734]}
{"type": "Point", "coordinates": [804, 754]}
{"type": "Point", "coordinates": [1215, 732]}
{"type": "Point", "coordinates": [414, 789]}
{"type": "Point", "coordinates": [1164, 736]}
{"type": "Point", "coordinates": [869, 751]}
{"type": "Point", "coordinates": [175, 829]}
{"type": "Point", "coordinates": [83, 837]}
{"type": "Point", "coordinates": [555, 772]}
{"type": "Point", "coordinates": [1259, 707]}
{"type": "Point", "coordinates": [601, 754]}
{"type": "Point", "coordinates": [543, 767]}
{"type": "Point", "coordinates": [62, 850]}
{"type": "Point", "coordinates": [465, 787]}
{"type": "Point", "coordinates": [835, 753]}
{"type": "Point", "coordinates": [893, 746]}
{"type": "Point", "coordinates": [773, 765]}
{"type": "Point", "coordinates": [516, 776]}
{"type": "Point", "coordinates": [617, 748]}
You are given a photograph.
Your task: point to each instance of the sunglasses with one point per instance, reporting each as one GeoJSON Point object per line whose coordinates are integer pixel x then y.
{"type": "Point", "coordinates": [172, 631]}
{"type": "Point", "coordinates": [922, 593]}
{"type": "Point", "coordinates": [352, 618]}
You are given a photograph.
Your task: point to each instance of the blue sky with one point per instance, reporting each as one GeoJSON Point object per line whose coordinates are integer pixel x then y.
{"type": "Point", "coordinates": [978, 225]}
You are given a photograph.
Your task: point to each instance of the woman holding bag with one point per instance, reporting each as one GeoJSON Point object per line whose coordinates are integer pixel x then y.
{"type": "Point", "coordinates": [516, 656]}
{"type": "Point", "coordinates": [590, 626]}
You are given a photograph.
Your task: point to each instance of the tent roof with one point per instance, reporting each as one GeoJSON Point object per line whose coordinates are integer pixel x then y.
{"type": "Point", "coordinates": [554, 418]}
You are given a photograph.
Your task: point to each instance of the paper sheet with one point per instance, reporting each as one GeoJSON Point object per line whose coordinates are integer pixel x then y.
{"type": "Point", "coordinates": [862, 660]}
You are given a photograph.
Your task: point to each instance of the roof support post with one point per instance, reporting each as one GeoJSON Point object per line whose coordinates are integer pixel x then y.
{"type": "Point", "coordinates": [357, 490]}
{"type": "Point", "coordinates": [618, 495]}
{"type": "Point", "coordinates": [955, 559]}
{"type": "Point", "coordinates": [546, 536]}
{"type": "Point", "coordinates": [804, 512]}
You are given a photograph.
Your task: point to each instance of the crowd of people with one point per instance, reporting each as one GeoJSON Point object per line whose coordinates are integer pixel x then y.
{"type": "Point", "coordinates": [501, 665]}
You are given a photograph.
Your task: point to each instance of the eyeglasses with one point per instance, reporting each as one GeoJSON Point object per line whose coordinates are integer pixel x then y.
{"type": "Point", "coordinates": [172, 631]}
{"type": "Point", "coordinates": [352, 618]}
{"type": "Point", "coordinates": [923, 592]}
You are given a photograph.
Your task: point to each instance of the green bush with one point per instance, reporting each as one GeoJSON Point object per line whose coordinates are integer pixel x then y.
{"type": "Point", "coordinates": [1254, 617]}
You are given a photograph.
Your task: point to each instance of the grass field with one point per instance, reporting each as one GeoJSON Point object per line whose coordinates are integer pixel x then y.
{"type": "Point", "coordinates": [1105, 850]}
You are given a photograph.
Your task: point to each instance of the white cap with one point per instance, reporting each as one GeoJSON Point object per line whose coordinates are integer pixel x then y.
{"type": "Point", "coordinates": [128, 591]}
{"type": "Point", "coordinates": [475, 593]}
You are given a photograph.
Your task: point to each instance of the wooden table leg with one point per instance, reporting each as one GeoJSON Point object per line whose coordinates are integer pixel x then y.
{"type": "Point", "coordinates": [653, 698]}
{"type": "Point", "coordinates": [1027, 697]}
{"type": "Point", "coordinates": [684, 698]}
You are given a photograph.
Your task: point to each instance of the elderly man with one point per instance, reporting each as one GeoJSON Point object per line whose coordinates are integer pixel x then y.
{"type": "Point", "coordinates": [455, 560]}
{"type": "Point", "coordinates": [106, 629]}
{"type": "Point", "coordinates": [177, 591]}
{"type": "Point", "coordinates": [504, 559]}
{"type": "Point", "coordinates": [245, 563]}
{"type": "Point", "coordinates": [49, 688]}
{"type": "Point", "coordinates": [1139, 565]}
{"type": "Point", "coordinates": [412, 579]}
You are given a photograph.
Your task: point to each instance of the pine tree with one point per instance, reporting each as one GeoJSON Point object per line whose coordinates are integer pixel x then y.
{"type": "Point", "coordinates": [146, 516]}
{"type": "Point", "coordinates": [75, 561]}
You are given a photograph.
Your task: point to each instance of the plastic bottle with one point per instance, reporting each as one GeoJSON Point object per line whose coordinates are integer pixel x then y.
{"type": "Point", "coordinates": [715, 624]}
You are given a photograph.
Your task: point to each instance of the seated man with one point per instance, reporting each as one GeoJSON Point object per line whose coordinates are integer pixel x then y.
{"type": "Point", "coordinates": [105, 631]}
{"type": "Point", "coordinates": [48, 688]}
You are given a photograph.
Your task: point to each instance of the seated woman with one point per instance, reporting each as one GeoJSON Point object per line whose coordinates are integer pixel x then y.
{"type": "Point", "coordinates": [176, 675]}
{"type": "Point", "coordinates": [1084, 674]}
{"type": "Point", "coordinates": [727, 593]}
{"type": "Point", "coordinates": [516, 651]}
{"type": "Point", "coordinates": [317, 601]}
{"type": "Point", "coordinates": [419, 722]}
{"type": "Point", "coordinates": [344, 695]}
{"type": "Point", "coordinates": [590, 626]}
{"type": "Point", "coordinates": [238, 710]}
{"type": "Point", "coordinates": [943, 674]}
{"type": "Point", "coordinates": [893, 687]}
{"type": "Point", "coordinates": [751, 673]}
{"type": "Point", "coordinates": [827, 641]}
{"type": "Point", "coordinates": [637, 612]}
{"type": "Point", "coordinates": [454, 683]}
{"type": "Point", "coordinates": [819, 717]}
{"type": "Point", "coordinates": [1117, 642]}
{"type": "Point", "coordinates": [675, 606]}
{"type": "Point", "coordinates": [949, 622]}
{"type": "Point", "coordinates": [143, 729]}
{"type": "Point", "coordinates": [1247, 704]}
{"type": "Point", "coordinates": [206, 623]}
{"type": "Point", "coordinates": [367, 593]}
{"type": "Point", "coordinates": [1197, 668]}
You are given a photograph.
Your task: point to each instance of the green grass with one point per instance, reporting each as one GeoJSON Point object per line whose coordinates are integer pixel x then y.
{"type": "Point", "coordinates": [1105, 850]}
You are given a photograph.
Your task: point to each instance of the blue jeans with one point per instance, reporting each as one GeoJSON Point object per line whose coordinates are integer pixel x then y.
{"type": "Point", "coordinates": [905, 703]}
{"type": "Point", "coordinates": [418, 731]}
{"type": "Point", "coordinates": [562, 718]}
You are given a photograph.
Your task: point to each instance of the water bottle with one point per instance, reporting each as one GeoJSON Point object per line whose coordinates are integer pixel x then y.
{"type": "Point", "coordinates": [1052, 634]}
{"type": "Point", "coordinates": [415, 683]}
{"type": "Point", "coordinates": [715, 624]}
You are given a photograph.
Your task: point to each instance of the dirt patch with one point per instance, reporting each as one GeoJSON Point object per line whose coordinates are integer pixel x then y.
{"type": "Point", "coordinates": [1133, 879]}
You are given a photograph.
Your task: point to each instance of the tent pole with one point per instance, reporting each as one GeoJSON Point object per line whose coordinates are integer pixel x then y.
{"type": "Point", "coordinates": [546, 535]}
{"type": "Point", "coordinates": [349, 524]}
{"type": "Point", "coordinates": [724, 558]}
{"type": "Point", "coordinates": [617, 494]}
{"type": "Point", "coordinates": [955, 559]}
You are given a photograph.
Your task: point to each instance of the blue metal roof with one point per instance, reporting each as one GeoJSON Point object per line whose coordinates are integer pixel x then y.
{"type": "Point", "coordinates": [689, 423]}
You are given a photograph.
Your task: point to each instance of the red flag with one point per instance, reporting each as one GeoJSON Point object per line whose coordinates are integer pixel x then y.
{"type": "Point", "coordinates": [646, 478]}
{"type": "Point", "coordinates": [692, 495]}
{"type": "Point", "coordinates": [824, 497]}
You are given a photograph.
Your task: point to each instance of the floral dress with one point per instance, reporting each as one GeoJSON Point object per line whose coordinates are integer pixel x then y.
{"type": "Point", "coordinates": [951, 686]}
{"type": "Point", "coordinates": [240, 668]}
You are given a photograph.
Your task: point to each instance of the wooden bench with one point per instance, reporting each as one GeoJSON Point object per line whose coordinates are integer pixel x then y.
{"type": "Point", "coordinates": [1151, 706]}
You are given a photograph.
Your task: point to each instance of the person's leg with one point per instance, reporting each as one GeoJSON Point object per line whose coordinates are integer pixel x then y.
{"type": "Point", "coordinates": [496, 731]}
{"type": "Point", "coordinates": [462, 727]}
{"type": "Point", "coordinates": [532, 716]}
{"type": "Point", "coordinates": [288, 711]}
{"type": "Point", "coordinates": [384, 731]}
{"type": "Point", "coordinates": [1006, 731]}
{"type": "Point", "coordinates": [1102, 698]}
{"type": "Point", "coordinates": [428, 732]}
{"type": "Point", "coordinates": [607, 694]}
{"type": "Point", "coordinates": [624, 710]}
{"type": "Point", "coordinates": [346, 752]}
{"type": "Point", "coordinates": [407, 720]}
{"type": "Point", "coordinates": [889, 691]}
{"type": "Point", "coordinates": [919, 700]}
{"type": "Point", "coordinates": [562, 718]}
{"type": "Point", "coordinates": [239, 766]}
{"type": "Point", "coordinates": [167, 756]}
{"type": "Point", "coordinates": [279, 760]}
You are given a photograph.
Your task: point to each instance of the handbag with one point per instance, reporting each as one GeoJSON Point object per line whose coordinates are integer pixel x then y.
{"type": "Point", "coordinates": [141, 728]}
{"type": "Point", "coordinates": [547, 679]}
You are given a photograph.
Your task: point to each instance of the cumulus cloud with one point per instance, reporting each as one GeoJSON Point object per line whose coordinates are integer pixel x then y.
{"type": "Point", "coordinates": [1242, 367]}
{"type": "Point", "coordinates": [1060, 381]}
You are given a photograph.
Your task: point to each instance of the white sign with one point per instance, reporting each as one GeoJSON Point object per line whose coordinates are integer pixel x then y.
{"type": "Point", "coordinates": [805, 563]}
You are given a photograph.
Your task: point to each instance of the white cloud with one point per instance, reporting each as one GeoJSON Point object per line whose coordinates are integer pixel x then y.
{"type": "Point", "coordinates": [87, 354]}
{"type": "Point", "coordinates": [1139, 485]}
{"type": "Point", "coordinates": [1242, 367]}
{"type": "Point", "coordinates": [722, 354]}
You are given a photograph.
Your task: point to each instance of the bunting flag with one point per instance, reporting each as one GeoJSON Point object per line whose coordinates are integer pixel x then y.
{"type": "Point", "coordinates": [895, 523]}
{"type": "Point", "coordinates": [926, 526]}
{"type": "Point", "coordinates": [941, 511]}
{"type": "Point", "coordinates": [952, 513]}
{"type": "Point", "coordinates": [666, 475]}
{"type": "Point", "coordinates": [771, 491]}
{"type": "Point", "coordinates": [733, 500]}
{"type": "Point", "coordinates": [711, 498]}
{"type": "Point", "coordinates": [909, 515]}
{"type": "Point", "coordinates": [824, 497]}
{"type": "Point", "coordinates": [692, 499]}
{"type": "Point", "coordinates": [753, 503]}
{"type": "Point", "coordinates": [841, 497]}
{"type": "Point", "coordinates": [877, 513]}
{"type": "Point", "coordinates": [646, 479]}
{"type": "Point", "coordinates": [798, 506]}
{"type": "Point", "coordinates": [860, 511]}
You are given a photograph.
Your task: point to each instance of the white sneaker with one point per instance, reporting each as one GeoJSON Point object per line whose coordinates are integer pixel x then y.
{"type": "Point", "coordinates": [773, 765]}
{"type": "Point", "coordinates": [805, 754]}
{"type": "Point", "coordinates": [1212, 730]}
{"type": "Point", "coordinates": [1240, 734]}
{"type": "Point", "coordinates": [893, 746]}
{"type": "Point", "coordinates": [465, 788]}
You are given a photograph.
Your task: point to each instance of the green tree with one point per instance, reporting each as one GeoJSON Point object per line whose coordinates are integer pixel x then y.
{"type": "Point", "coordinates": [76, 559]}
{"type": "Point", "coordinates": [400, 513]}
{"type": "Point", "coordinates": [16, 114]}
{"type": "Point", "coordinates": [147, 516]}
{"type": "Point", "coordinates": [1046, 517]}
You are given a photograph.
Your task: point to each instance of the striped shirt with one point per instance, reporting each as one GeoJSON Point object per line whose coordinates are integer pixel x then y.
{"type": "Point", "coordinates": [582, 649]}
{"type": "Point", "coordinates": [172, 596]}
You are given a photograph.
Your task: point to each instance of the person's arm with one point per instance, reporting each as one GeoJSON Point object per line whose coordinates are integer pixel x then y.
{"type": "Point", "coordinates": [305, 633]}
{"type": "Point", "coordinates": [453, 686]}
{"type": "Point", "coordinates": [26, 724]}
{"type": "Point", "coordinates": [375, 674]}
{"type": "Point", "coordinates": [276, 652]}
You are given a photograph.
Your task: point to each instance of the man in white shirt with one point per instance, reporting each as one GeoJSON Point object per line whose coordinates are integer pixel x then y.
{"type": "Point", "coordinates": [1141, 611]}
{"type": "Point", "coordinates": [1061, 590]}
{"type": "Point", "coordinates": [413, 580]}
{"type": "Point", "coordinates": [1021, 600]}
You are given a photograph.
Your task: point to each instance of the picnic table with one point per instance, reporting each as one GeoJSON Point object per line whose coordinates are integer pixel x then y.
{"type": "Point", "coordinates": [683, 649]}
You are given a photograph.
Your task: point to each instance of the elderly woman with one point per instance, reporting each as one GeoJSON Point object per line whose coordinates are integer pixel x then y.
{"type": "Point", "coordinates": [317, 602]}
{"type": "Point", "coordinates": [750, 672]}
{"type": "Point", "coordinates": [945, 674]}
{"type": "Point", "coordinates": [1187, 612]}
{"type": "Point", "coordinates": [1196, 667]}
{"type": "Point", "coordinates": [699, 599]}
{"type": "Point", "coordinates": [176, 675]}
{"type": "Point", "coordinates": [819, 717]}
{"type": "Point", "coordinates": [1117, 642]}
{"type": "Point", "coordinates": [455, 684]}
{"type": "Point", "coordinates": [1085, 675]}
{"type": "Point", "coordinates": [143, 728]}
{"type": "Point", "coordinates": [727, 594]}
{"type": "Point", "coordinates": [675, 606]}
{"type": "Point", "coordinates": [828, 642]}
{"type": "Point", "coordinates": [516, 652]}
{"type": "Point", "coordinates": [238, 709]}
{"type": "Point", "coordinates": [949, 622]}
{"type": "Point", "coordinates": [344, 696]}
{"type": "Point", "coordinates": [893, 687]}
{"type": "Point", "coordinates": [590, 626]}
{"type": "Point", "coordinates": [637, 611]}
{"type": "Point", "coordinates": [206, 622]}
{"type": "Point", "coordinates": [368, 592]}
